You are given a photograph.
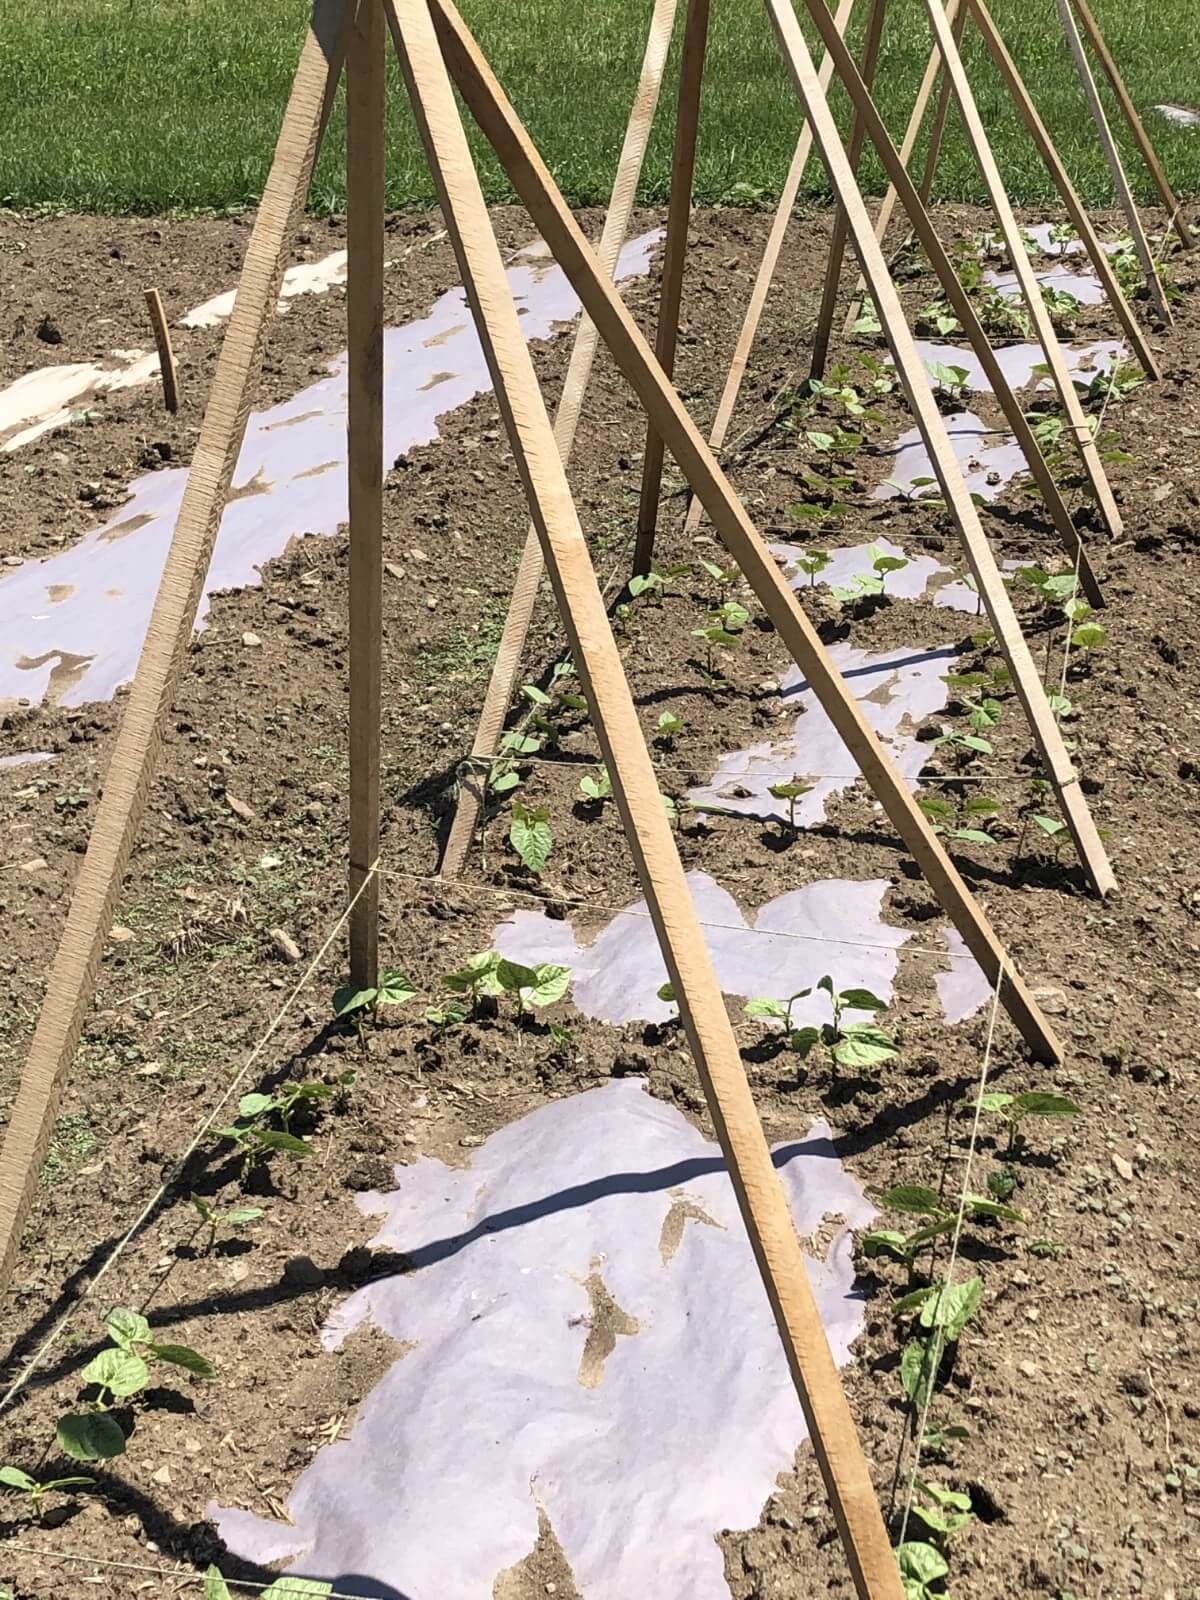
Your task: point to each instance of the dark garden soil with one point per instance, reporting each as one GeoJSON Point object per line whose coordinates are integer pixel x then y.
{"type": "Point", "coordinates": [1075, 1380]}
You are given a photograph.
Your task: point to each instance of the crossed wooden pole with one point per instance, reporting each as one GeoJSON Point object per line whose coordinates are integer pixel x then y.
{"type": "Point", "coordinates": [435, 47]}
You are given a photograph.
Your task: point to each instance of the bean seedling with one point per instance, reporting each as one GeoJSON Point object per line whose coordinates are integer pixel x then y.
{"type": "Point", "coordinates": [393, 989]}
{"type": "Point", "coordinates": [252, 1137]}
{"type": "Point", "coordinates": [668, 728]}
{"type": "Point", "coordinates": [1014, 1108]}
{"type": "Point", "coordinates": [36, 1490]}
{"type": "Point", "coordinates": [120, 1371]}
{"type": "Point", "coordinates": [214, 1221]}
{"type": "Point", "coordinates": [655, 581]}
{"type": "Point", "coordinates": [940, 1219]}
{"type": "Point", "coordinates": [795, 790]}
{"type": "Point", "coordinates": [813, 562]}
{"type": "Point", "coordinates": [530, 836]}
{"type": "Point", "coordinates": [596, 787]}
{"type": "Point", "coordinates": [948, 380]}
{"type": "Point", "coordinates": [875, 581]}
{"type": "Point", "coordinates": [532, 987]}
{"type": "Point", "coordinates": [851, 1044]}
{"type": "Point", "coordinates": [954, 822]}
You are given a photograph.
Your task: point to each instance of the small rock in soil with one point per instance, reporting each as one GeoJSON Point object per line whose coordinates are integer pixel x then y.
{"type": "Point", "coordinates": [284, 945]}
{"type": "Point", "coordinates": [251, 641]}
{"type": "Point", "coordinates": [240, 808]}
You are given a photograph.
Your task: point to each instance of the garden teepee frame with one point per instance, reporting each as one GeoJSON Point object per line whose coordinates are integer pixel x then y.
{"type": "Point", "coordinates": [435, 47]}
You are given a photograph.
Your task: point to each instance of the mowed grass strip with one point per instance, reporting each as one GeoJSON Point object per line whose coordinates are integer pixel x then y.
{"type": "Point", "coordinates": [159, 105]}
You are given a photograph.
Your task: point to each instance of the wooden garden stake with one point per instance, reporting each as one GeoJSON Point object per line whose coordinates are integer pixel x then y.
{"type": "Point", "coordinates": [763, 279]}
{"type": "Point", "coordinates": [1031, 291]}
{"type": "Point", "coordinates": [72, 979]}
{"type": "Point", "coordinates": [1153, 166]}
{"type": "Point", "coordinates": [912, 132]}
{"type": "Point", "coordinates": [962, 305]}
{"type": "Point", "coordinates": [837, 242]}
{"type": "Point", "coordinates": [1074, 207]}
{"type": "Point", "coordinates": [507, 665]}
{"type": "Point", "coordinates": [536, 188]}
{"type": "Point", "coordinates": [166, 356]}
{"type": "Point", "coordinates": [938, 127]}
{"type": "Point", "coordinates": [1025, 678]}
{"type": "Point", "coordinates": [679, 214]}
{"type": "Point", "coordinates": [365, 90]}
{"type": "Point", "coordinates": [635, 789]}
{"type": "Point", "coordinates": [1113, 156]}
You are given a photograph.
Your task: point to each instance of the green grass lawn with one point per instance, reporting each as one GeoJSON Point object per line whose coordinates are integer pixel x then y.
{"type": "Point", "coordinates": [154, 105]}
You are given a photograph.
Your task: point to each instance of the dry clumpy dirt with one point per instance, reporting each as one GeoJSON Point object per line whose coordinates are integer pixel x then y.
{"type": "Point", "coordinates": [1075, 1381]}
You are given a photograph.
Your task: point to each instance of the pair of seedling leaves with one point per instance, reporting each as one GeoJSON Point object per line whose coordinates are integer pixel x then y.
{"type": "Point", "coordinates": [857, 1045]}
{"type": "Point", "coordinates": [120, 1371]}
{"type": "Point", "coordinates": [486, 974]}
{"type": "Point", "coordinates": [253, 1135]}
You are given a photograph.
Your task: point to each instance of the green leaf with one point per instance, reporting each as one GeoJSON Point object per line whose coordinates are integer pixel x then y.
{"type": "Point", "coordinates": [551, 982]}
{"type": "Point", "coordinates": [181, 1355]}
{"type": "Point", "coordinates": [764, 1006]}
{"type": "Point", "coordinates": [530, 836]}
{"type": "Point", "coordinates": [119, 1371]}
{"type": "Point", "coordinates": [802, 1040]}
{"type": "Point", "coordinates": [886, 564]}
{"type": "Point", "coordinates": [14, 1478]}
{"type": "Point", "coordinates": [885, 1241]}
{"type": "Point", "coordinates": [934, 806]}
{"type": "Point", "coordinates": [395, 989]}
{"type": "Point", "coordinates": [276, 1139]}
{"type": "Point", "coordinates": [1050, 825]}
{"type": "Point", "coordinates": [347, 1000]}
{"type": "Point", "coordinates": [861, 1000]}
{"type": "Point", "coordinates": [914, 1197]}
{"type": "Point", "coordinates": [951, 1308]}
{"type": "Point", "coordinates": [289, 1588]}
{"type": "Point", "coordinates": [125, 1327]}
{"type": "Point", "coordinates": [512, 977]}
{"type": "Point", "coordinates": [1035, 1104]}
{"type": "Point", "coordinates": [534, 695]}
{"type": "Point", "coordinates": [89, 1436]}
{"type": "Point", "coordinates": [253, 1105]}
{"type": "Point", "coordinates": [915, 1374]}
{"type": "Point", "coordinates": [932, 1230]}
{"type": "Point", "coordinates": [241, 1214]}
{"type": "Point", "coordinates": [980, 1206]}
{"type": "Point", "coordinates": [666, 993]}
{"type": "Point", "coordinates": [972, 836]}
{"type": "Point", "coordinates": [995, 1100]}
{"type": "Point", "coordinates": [478, 975]}
{"type": "Point", "coordinates": [506, 782]}
{"type": "Point", "coordinates": [1089, 636]}
{"type": "Point", "coordinates": [981, 805]}
{"type": "Point", "coordinates": [864, 1045]}
{"type": "Point", "coordinates": [215, 1587]}
{"type": "Point", "coordinates": [921, 1562]}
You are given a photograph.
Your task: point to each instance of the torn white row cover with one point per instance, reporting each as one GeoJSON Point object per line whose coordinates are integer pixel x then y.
{"type": "Point", "coordinates": [1017, 361]}
{"type": "Point", "coordinates": [988, 458]}
{"type": "Point", "coordinates": [922, 578]}
{"type": "Point", "coordinates": [72, 626]}
{"type": "Point", "coordinates": [896, 691]}
{"type": "Point", "coordinates": [833, 926]}
{"type": "Point", "coordinates": [589, 1336]}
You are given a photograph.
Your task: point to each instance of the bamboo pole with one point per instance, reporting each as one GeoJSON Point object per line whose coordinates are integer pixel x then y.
{"type": "Point", "coordinates": [762, 282]}
{"type": "Point", "coordinates": [1112, 155]}
{"type": "Point", "coordinates": [837, 242]}
{"type": "Point", "coordinates": [1075, 209]}
{"type": "Point", "coordinates": [1031, 292]}
{"type": "Point", "coordinates": [912, 133]}
{"type": "Point", "coordinates": [507, 665]}
{"type": "Point", "coordinates": [536, 188]}
{"type": "Point", "coordinates": [635, 787]}
{"type": "Point", "coordinates": [963, 307]}
{"type": "Point", "coordinates": [72, 979]}
{"type": "Point", "coordinates": [679, 215]}
{"type": "Point", "coordinates": [365, 93]}
{"type": "Point", "coordinates": [1153, 166]}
